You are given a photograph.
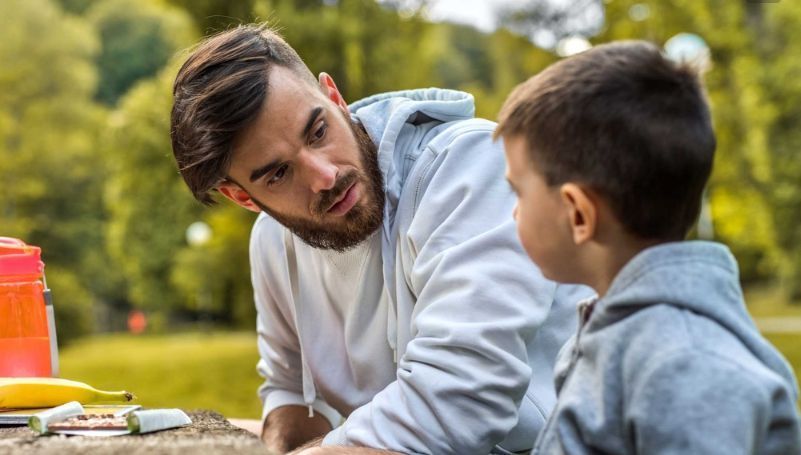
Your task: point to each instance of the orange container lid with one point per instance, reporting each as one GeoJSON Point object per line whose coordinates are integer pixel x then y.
{"type": "Point", "coordinates": [17, 258]}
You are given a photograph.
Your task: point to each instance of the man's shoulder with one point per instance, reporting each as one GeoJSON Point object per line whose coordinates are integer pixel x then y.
{"type": "Point", "coordinates": [461, 145]}
{"type": "Point", "coordinates": [265, 224]}
{"type": "Point", "coordinates": [452, 132]}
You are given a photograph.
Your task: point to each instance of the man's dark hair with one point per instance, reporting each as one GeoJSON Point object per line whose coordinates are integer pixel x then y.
{"type": "Point", "coordinates": [627, 122]}
{"type": "Point", "coordinates": [218, 92]}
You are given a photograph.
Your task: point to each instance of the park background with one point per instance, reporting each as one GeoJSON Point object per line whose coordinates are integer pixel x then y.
{"type": "Point", "coordinates": [86, 169]}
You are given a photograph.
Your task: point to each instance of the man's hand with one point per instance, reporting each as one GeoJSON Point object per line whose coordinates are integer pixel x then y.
{"type": "Point", "coordinates": [344, 450]}
{"type": "Point", "coordinates": [289, 427]}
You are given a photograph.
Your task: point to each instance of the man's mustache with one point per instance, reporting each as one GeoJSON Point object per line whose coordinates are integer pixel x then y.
{"type": "Point", "coordinates": [329, 197]}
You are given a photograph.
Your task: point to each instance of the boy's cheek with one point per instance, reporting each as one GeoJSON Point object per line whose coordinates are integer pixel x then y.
{"type": "Point", "coordinates": [523, 235]}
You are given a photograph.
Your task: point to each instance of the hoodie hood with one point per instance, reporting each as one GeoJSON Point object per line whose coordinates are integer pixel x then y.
{"type": "Point", "coordinates": [401, 124]}
{"type": "Point", "coordinates": [698, 276]}
{"type": "Point", "coordinates": [416, 113]}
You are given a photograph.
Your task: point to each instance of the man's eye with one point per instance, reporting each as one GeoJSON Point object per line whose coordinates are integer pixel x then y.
{"type": "Point", "coordinates": [278, 175]}
{"type": "Point", "coordinates": [319, 133]}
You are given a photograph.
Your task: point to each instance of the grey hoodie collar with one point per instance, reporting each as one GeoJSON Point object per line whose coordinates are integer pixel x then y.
{"type": "Point", "coordinates": [696, 275]}
{"type": "Point", "coordinates": [384, 115]}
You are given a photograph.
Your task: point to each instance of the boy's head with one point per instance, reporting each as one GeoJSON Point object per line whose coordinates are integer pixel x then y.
{"type": "Point", "coordinates": [613, 143]}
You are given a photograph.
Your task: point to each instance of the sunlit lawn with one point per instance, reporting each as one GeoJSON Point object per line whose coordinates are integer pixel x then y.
{"type": "Point", "coordinates": [768, 301]}
{"type": "Point", "coordinates": [215, 370]}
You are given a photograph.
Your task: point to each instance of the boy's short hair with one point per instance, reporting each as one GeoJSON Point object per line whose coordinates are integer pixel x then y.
{"type": "Point", "coordinates": [627, 122]}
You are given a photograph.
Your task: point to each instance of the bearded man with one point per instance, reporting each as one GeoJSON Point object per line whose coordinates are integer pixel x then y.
{"type": "Point", "coordinates": [394, 300]}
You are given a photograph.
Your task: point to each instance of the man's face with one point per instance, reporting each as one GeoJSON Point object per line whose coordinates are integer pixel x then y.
{"type": "Point", "coordinates": [305, 163]}
{"type": "Point", "coordinates": [542, 222]}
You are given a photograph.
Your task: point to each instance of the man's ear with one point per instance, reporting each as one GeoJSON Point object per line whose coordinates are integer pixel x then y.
{"type": "Point", "coordinates": [240, 197]}
{"type": "Point", "coordinates": [582, 212]}
{"type": "Point", "coordinates": [331, 91]}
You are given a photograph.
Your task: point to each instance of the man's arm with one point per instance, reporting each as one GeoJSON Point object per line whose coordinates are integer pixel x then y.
{"type": "Point", "coordinates": [313, 448]}
{"type": "Point", "coordinates": [285, 411]}
{"type": "Point", "coordinates": [345, 450]}
{"type": "Point", "coordinates": [289, 427]}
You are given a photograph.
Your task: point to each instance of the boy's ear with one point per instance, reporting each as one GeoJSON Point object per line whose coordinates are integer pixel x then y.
{"type": "Point", "coordinates": [331, 91]}
{"type": "Point", "coordinates": [582, 212]}
{"type": "Point", "coordinates": [240, 197]}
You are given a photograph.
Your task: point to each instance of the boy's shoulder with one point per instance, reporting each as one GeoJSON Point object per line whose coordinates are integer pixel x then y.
{"type": "Point", "coordinates": [663, 341]}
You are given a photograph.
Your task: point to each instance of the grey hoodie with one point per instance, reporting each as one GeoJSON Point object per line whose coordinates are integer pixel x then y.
{"type": "Point", "coordinates": [669, 361]}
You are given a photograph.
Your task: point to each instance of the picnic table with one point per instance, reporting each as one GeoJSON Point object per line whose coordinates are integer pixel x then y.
{"type": "Point", "coordinates": [210, 433]}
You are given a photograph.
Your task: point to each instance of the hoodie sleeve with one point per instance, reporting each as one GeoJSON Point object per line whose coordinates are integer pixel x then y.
{"type": "Point", "coordinates": [279, 350]}
{"type": "Point", "coordinates": [479, 301]}
{"type": "Point", "coordinates": [704, 403]}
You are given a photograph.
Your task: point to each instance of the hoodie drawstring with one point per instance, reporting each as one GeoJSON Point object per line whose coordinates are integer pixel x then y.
{"type": "Point", "coordinates": [309, 390]}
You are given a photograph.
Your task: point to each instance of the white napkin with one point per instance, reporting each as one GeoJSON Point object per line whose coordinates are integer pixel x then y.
{"type": "Point", "coordinates": [38, 422]}
{"type": "Point", "coordinates": [156, 420]}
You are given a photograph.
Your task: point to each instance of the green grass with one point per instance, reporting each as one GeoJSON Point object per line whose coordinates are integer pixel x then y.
{"type": "Point", "coordinates": [790, 346]}
{"type": "Point", "coordinates": [769, 301]}
{"type": "Point", "coordinates": [214, 370]}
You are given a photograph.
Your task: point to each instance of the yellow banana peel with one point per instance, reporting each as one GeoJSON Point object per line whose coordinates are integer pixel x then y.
{"type": "Point", "coordinates": [48, 392]}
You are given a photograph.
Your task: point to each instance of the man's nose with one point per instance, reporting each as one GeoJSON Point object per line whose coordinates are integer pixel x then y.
{"type": "Point", "coordinates": [320, 171]}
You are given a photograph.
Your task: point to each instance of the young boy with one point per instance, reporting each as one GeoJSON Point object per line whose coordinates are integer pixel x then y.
{"type": "Point", "coordinates": [608, 152]}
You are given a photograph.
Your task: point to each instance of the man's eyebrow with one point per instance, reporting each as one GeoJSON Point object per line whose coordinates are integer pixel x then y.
{"type": "Point", "coordinates": [258, 173]}
{"type": "Point", "coordinates": [312, 117]}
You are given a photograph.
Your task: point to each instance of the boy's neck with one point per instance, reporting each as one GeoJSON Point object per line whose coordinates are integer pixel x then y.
{"type": "Point", "coordinates": [609, 257]}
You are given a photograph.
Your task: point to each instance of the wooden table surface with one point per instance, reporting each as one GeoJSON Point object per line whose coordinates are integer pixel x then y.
{"type": "Point", "coordinates": [209, 433]}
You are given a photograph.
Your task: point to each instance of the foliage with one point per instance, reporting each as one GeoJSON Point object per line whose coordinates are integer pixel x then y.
{"type": "Point", "coordinates": [138, 38]}
{"type": "Point", "coordinates": [49, 164]}
{"type": "Point", "coordinates": [87, 171]}
{"type": "Point", "coordinates": [148, 205]}
{"type": "Point", "coordinates": [72, 305]}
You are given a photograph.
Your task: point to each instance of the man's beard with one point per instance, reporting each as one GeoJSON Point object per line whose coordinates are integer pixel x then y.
{"type": "Point", "coordinates": [360, 221]}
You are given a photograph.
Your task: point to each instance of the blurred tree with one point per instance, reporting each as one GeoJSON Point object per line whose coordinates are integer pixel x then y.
{"type": "Point", "coordinates": [212, 16]}
{"type": "Point", "coordinates": [778, 35]}
{"type": "Point", "coordinates": [77, 7]}
{"type": "Point", "coordinates": [348, 39]}
{"type": "Point", "coordinates": [138, 38]}
{"type": "Point", "coordinates": [51, 169]}
{"type": "Point", "coordinates": [228, 298]}
{"type": "Point", "coordinates": [512, 60]}
{"type": "Point", "coordinates": [72, 303]}
{"type": "Point", "coordinates": [548, 21]}
{"type": "Point", "coordinates": [148, 203]}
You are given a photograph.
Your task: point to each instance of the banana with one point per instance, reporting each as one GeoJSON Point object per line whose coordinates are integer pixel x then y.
{"type": "Point", "coordinates": [48, 392]}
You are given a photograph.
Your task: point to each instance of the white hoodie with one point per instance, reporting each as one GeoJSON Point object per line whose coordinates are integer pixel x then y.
{"type": "Point", "coordinates": [447, 340]}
